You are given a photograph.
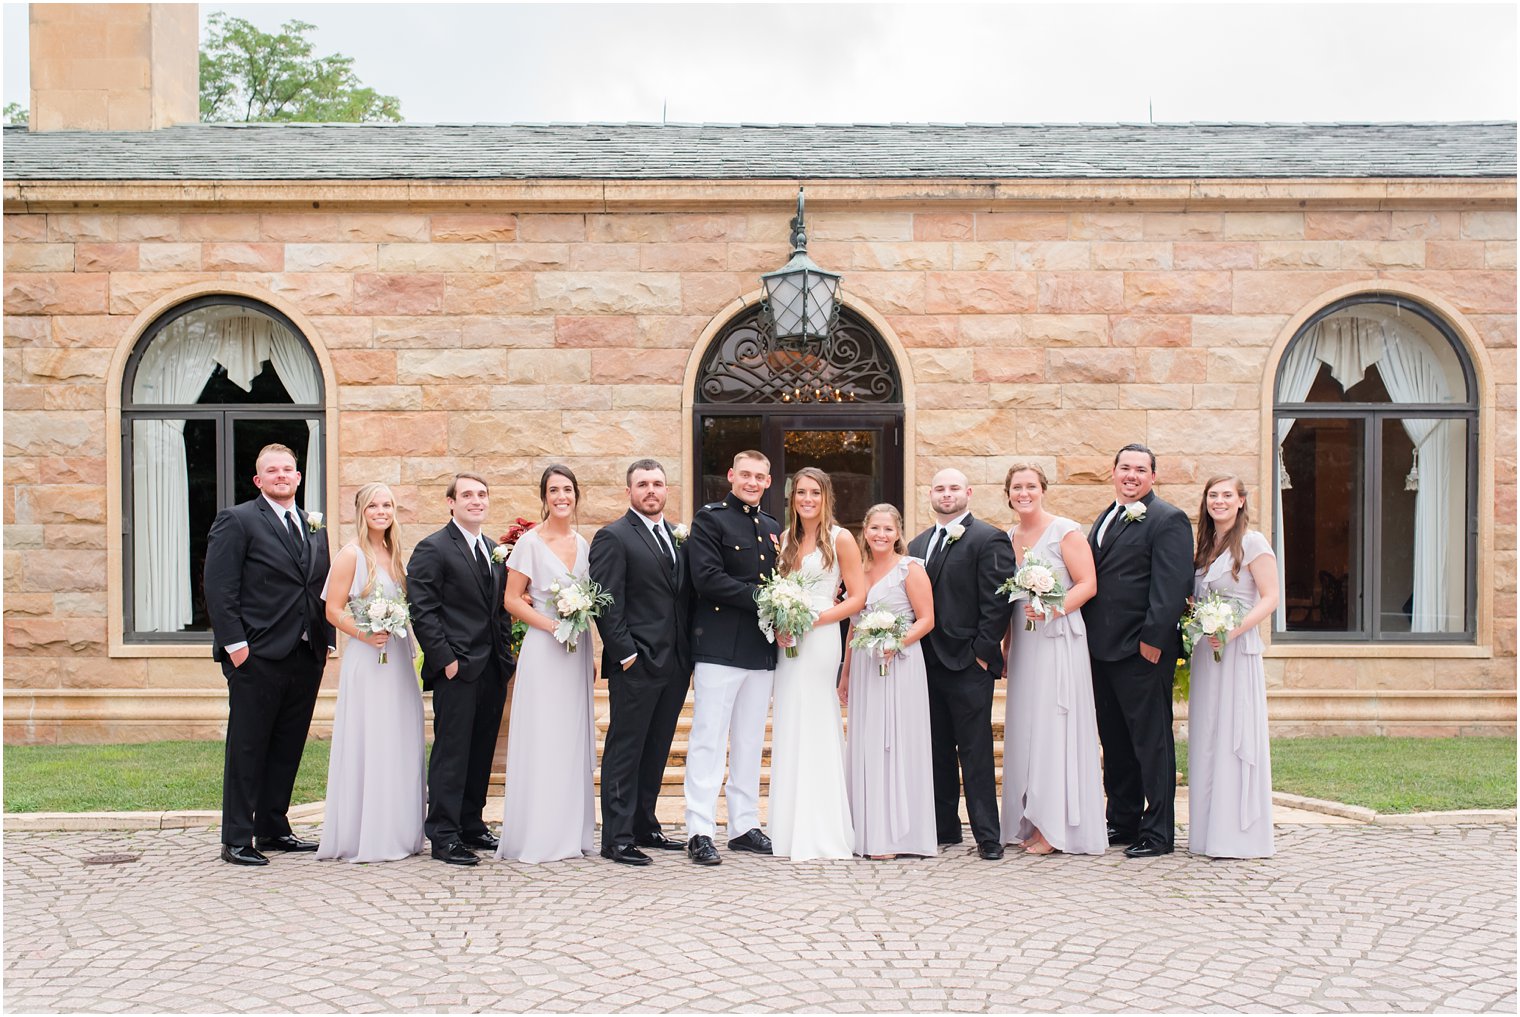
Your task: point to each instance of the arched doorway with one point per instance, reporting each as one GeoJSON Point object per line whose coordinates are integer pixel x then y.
{"type": "Point", "coordinates": [836, 404]}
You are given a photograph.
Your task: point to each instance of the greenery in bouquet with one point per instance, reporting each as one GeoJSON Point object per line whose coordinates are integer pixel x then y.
{"type": "Point", "coordinates": [1036, 580]}
{"type": "Point", "coordinates": [379, 613]}
{"type": "Point", "coordinates": [881, 632]}
{"type": "Point", "coordinates": [575, 605]}
{"type": "Point", "coordinates": [1215, 615]}
{"type": "Point", "coordinates": [784, 608]}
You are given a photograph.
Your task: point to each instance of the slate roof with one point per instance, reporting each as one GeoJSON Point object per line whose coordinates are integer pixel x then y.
{"type": "Point", "coordinates": [761, 151]}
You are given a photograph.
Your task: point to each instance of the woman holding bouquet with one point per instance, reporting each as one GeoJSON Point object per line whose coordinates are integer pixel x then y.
{"type": "Point", "coordinates": [809, 806]}
{"type": "Point", "coordinates": [375, 783]}
{"type": "Point", "coordinates": [1229, 759]}
{"type": "Point", "coordinates": [1052, 782]}
{"type": "Point", "coordinates": [548, 811]}
{"type": "Point", "coordinates": [889, 769]}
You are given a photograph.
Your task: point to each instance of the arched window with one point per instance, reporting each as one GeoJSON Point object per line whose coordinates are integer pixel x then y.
{"type": "Point", "coordinates": [209, 384]}
{"type": "Point", "coordinates": [1376, 418]}
{"type": "Point", "coordinates": [835, 403]}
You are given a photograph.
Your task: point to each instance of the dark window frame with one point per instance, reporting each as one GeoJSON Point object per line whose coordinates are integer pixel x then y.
{"type": "Point", "coordinates": [1373, 416]}
{"type": "Point", "coordinates": [225, 416]}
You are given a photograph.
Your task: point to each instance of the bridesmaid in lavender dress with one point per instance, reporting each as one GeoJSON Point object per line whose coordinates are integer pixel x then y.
{"type": "Point", "coordinates": [889, 770]}
{"type": "Point", "coordinates": [1052, 783]}
{"type": "Point", "coordinates": [548, 811]}
{"type": "Point", "coordinates": [375, 783]}
{"type": "Point", "coordinates": [1229, 758]}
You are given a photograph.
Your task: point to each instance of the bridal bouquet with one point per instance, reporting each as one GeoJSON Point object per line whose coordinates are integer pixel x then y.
{"type": "Point", "coordinates": [575, 605]}
{"type": "Point", "coordinates": [1036, 579]}
{"type": "Point", "coordinates": [1214, 615]}
{"type": "Point", "coordinates": [880, 631]}
{"type": "Point", "coordinates": [379, 613]}
{"type": "Point", "coordinates": [785, 608]}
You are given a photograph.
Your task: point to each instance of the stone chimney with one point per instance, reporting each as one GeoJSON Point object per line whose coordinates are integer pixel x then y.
{"type": "Point", "coordinates": [114, 67]}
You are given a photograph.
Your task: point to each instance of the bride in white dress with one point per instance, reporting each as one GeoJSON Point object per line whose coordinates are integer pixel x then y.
{"type": "Point", "coordinates": [809, 802]}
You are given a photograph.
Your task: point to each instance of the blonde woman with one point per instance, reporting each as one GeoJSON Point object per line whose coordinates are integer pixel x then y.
{"type": "Point", "coordinates": [809, 805]}
{"type": "Point", "coordinates": [889, 765]}
{"type": "Point", "coordinates": [375, 796]}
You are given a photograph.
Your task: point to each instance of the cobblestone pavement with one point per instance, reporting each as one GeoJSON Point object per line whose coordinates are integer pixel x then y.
{"type": "Point", "coordinates": [1345, 918]}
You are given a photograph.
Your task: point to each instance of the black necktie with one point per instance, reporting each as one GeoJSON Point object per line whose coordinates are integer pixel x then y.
{"type": "Point", "coordinates": [664, 542]}
{"type": "Point", "coordinates": [483, 560]}
{"type": "Point", "coordinates": [295, 535]}
{"type": "Point", "coordinates": [934, 546]}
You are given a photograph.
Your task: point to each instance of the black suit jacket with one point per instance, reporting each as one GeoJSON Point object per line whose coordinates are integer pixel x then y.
{"type": "Point", "coordinates": [730, 549]}
{"type": "Point", "coordinates": [970, 616]}
{"type": "Point", "coordinates": [258, 590]}
{"type": "Point", "coordinates": [455, 613]}
{"type": "Point", "coordinates": [649, 611]}
{"type": "Point", "coordinates": [1145, 576]}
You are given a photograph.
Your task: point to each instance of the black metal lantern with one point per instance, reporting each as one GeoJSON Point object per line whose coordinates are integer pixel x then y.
{"type": "Point", "coordinates": [801, 299]}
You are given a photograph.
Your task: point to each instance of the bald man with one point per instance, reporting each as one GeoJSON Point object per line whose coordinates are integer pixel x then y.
{"type": "Point", "coordinates": [967, 561]}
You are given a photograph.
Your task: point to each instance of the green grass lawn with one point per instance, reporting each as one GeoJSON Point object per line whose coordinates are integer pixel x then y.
{"type": "Point", "coordinates": [1395, 774]}
{"type": "Point", "coordinates": [150, 777]}
{"type": "Point", "coordinates": [1386, 774]}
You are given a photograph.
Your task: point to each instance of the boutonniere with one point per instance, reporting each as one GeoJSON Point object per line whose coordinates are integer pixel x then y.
{"type": "Point", "coordinates": [679, 531]}
{"type": "Point", "coordinates": [499, 553]}
{"type": "Point", "coordinates": [1134, 512]}
{"type": "Point", "coordinates": [954, 532]}
{"type": "Point", "coordinates": [314, 521]}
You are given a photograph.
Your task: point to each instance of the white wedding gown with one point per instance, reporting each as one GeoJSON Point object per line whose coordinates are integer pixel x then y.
{"type": "Point", "coordinates": [809, 804]}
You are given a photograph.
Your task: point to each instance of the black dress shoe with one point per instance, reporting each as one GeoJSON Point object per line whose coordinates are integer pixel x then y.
{"type": "Point", "coordinates": [660, 842]}
{"type": "Point", "coordinates": [286, 842]}
{"type": "Point", "coordinates": [1118, 836]}
{"type": "Point", "coordinates": [754, 841]}
{"type": "Point", "coordinates": [626, 854]}
{"type": "Point", "coordinates": [703, 851]}
{"type": "Point", "coordinates": [455, 853]}
{"type": "Point", "coordinates": [242, 854]}
{"type": "Point", "coordinates": [1147, 849]}
{"type": "Point", "coordinates": [484, 841]}
{"type": "Point", "coordinates": [989, 850]}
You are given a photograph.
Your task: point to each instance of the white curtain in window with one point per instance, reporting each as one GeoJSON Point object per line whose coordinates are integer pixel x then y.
{"type": "Point", "coordinates": [1299, 369]}
{"type": "Point", "coordinates": [1413, 376]}
{"type": "Point", "coordinates": [173, 370]}
{"type": "Point", "coordinates": [1349, 346]}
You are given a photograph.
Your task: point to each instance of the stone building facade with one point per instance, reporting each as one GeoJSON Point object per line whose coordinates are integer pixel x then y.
{"type": "Point", "coordinates": [496, 299]}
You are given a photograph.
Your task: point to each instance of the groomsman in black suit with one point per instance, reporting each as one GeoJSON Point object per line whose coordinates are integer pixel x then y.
{"type": "Point", "coordinates": [967, 561]}
{"type": "Point", "coordinates": [455, 586]}
{"type": "Point", "coordinates": [646, 659]}
{"type": "Point", "coordinates": [1143, 548]}
{"type": "Point", "coordinates": [265, 567]}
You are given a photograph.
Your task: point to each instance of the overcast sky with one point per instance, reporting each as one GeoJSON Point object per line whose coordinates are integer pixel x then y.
{"type": "Point", "coordinates": [838, 63]}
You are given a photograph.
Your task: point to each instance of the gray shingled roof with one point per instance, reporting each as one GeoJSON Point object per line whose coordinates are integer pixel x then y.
{"type": "Point", "coordinates": [757, 151]}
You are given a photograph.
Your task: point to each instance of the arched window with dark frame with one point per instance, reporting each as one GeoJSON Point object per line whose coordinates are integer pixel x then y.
{"type": "Point", "coordinates": [210, 383]}
{"type": "Point", "coordinates": [1376, 420]}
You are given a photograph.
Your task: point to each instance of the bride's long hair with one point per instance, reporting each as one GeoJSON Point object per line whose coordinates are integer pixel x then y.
{"type": "Point", "coordinates": [391, 538]}
{"type": "Point", "coordinates": [791, 544]}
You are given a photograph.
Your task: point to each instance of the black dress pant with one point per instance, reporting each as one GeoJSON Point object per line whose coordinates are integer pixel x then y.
{"type": "Point", "coordinates": [466, 722]}
{"type": "Point", "coordinates": [1133, 698]}
{"type": "Point", "coordinates": [644, 709]}
{"type": "Point", "coordinates": [960, 731]}
{"type": "Point", "coordinates": [269, 707]}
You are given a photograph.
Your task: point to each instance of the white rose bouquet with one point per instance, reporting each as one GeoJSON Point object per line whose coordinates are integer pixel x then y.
{"type": "Point", "coordinates": [575, 605]}
{"type": "Point", "coordinates": [1036, 579]}
{"type": "Point", "coordinates": [880, 631]}
{"type": "Point", "coordinates": [785, 608]}
{"type": "Point", "coordinates": [379, 613]}
{"type": "Point", "coordinates": [1214, 615]}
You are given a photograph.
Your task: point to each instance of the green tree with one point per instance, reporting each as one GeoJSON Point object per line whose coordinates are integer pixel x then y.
{"type": "Point", "coordinates": [15, 113]}
{"type": "Point", "coordinates": [251, 75]}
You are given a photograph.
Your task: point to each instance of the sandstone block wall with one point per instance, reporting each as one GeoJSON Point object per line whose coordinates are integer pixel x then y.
{"type": "Point", "coordinates": [500, 342]}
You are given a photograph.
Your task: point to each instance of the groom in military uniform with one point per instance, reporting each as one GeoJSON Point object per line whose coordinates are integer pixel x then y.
{"type": "Point", "coordinates": [732, 546]}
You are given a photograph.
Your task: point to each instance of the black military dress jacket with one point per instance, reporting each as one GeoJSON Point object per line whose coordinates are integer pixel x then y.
{"type": "Point", "coordinates": [731, 547]}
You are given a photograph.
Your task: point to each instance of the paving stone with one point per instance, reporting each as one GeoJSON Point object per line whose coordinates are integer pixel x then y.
{"type": "Point", "coordinates": [1344, 918]}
